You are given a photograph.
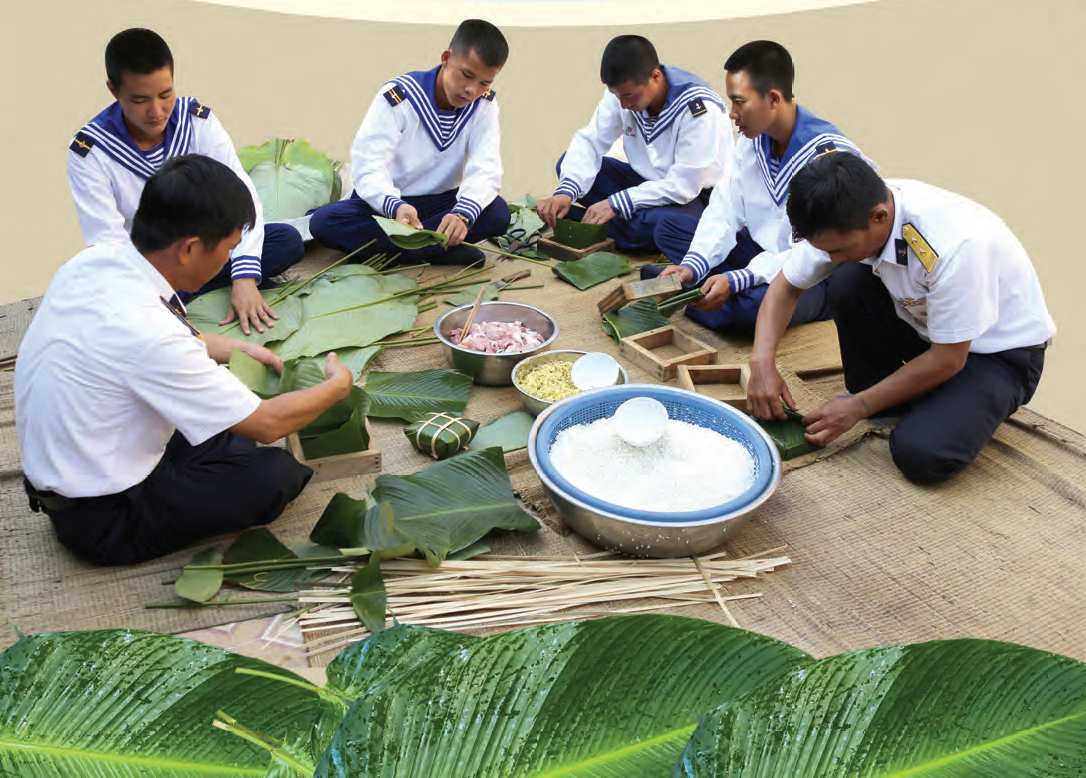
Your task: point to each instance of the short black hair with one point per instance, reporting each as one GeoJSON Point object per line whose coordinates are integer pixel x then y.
{"type": "Point", "coordinates": [767, 64]}
{"type": "Point", "coordinates": [628, 58]}
{"type": "Point", "coordinates": [138, 51]}
{"type": "Point", "coordinates": [191, 196]}
{"type": "Point", "coordinates": [484, 39]}
{"type": "Point", "coordinates": [833, 192]}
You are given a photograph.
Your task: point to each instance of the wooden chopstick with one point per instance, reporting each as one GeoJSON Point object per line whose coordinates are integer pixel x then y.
{"type": "Point", "coordinates": [471, 316]}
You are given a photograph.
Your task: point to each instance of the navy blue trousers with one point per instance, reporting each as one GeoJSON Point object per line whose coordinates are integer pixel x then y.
{"type": "Point", "coordinates": [348, 224]}
{"type": "Point", "coordinates": [637, 234]}
{"type": "Point", "coordinates": [739, 313]}
{"type": "Point", "coordinates": [225, 484]}
{"type": "Point", "coordinates": [283, 247]}
{"type": "Point", "coordinates": [944, 429]}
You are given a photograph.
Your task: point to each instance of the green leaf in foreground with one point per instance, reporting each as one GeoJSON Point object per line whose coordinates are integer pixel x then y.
{"type": "Point", "coordinates": [130, 703]}
{"type": "Point", "coordinates": [369, 597]}
{"type": "Point", "coordinates": [618, 696]}
{"type": "Point", "coordinates": [509, 432]}
{"type": "Point", "coordinates": [413, 396]}
{"type": "Point", "coordinates": [593, 269]}
{"type": "Point", "coordinates": [946, 708]}
{"type": "Point", "coordinates": [467, 296]}
{"type": "Point", "coordinates": [290, 177]}
{"type": "Point", "coordinates": [200, 585]}
{"type": "Point", "coordinates": [339, 430]}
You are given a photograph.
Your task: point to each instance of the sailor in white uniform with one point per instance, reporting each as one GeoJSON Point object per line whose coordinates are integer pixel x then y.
{"type": "Point", "coordinates": [674, 135]}
{"type": "Point", "coordinates": [111, 158]}
{"type": "Point", "coordinates": [428, 155]}
{"type": "Point", "coordinates": [134, 440]}
{"type": "Point", "coordinates": [939, 313]}
{"type": "Point", "coordinates": [741, 241]}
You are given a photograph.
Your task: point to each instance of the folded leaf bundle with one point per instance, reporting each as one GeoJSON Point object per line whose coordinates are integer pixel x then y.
{"type": "Point", "coordinates": [578, 235]}
{"type": "Point", "coordinates": [406, 237]}
{"type": "Point", "coordinates": [441, 435]}
{"type": "Point", "coordinates": [339, 430]}
{"type": "Point", "coordinates": [291, 177]}
{"type": "Point", "coordinates": [788, 435]}
{"type": "Point", "coordinates": [644, 315]}
{"type": "Point", "coordinates": [593, 269]}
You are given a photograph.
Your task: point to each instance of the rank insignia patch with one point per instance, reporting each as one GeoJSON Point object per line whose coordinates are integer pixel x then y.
{"type": "Point", "coordinates": [489, 94]}
{"type": "Point", "coordinates": [901, 249]}
{"type": "Point", "coordinates": [924, 252]}
{"type": "Point", "coordinates": [82, 144]}
{"type": "Point", "coordinates": [697, 107]}
{"type": "Point", "coordinates": [198, 109]}
{"type": "Point", "coordinates": [395, 96]}
{"type": "Point", "coordinates": [825, 148]}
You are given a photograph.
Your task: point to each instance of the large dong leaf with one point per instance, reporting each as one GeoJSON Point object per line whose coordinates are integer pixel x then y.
{"type": "Point", "coordinates": [962, 708]}
{"type": "Point", "coordinates": [407, 237]}
{"type": "Point", "coordinates": [290, 177]}
{"type": "Point", "coordinates": [128, 704]}
{"type": "Point", "coordinates": [633, 319]}
{"type": "Point", "coordinates": [206, 311]}
{"type": "Point", "coordinates": [615, 697]}
{"type": "Point", "coordinates": [414, 396]}
{"type": "Point", "coordinates": [593, 269]}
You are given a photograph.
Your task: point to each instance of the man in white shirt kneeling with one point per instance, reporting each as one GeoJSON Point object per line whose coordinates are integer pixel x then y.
{"type": "Point", "coordinates": [134, 441]}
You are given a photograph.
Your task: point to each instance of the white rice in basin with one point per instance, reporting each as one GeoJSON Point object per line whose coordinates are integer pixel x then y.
{"type": "Point", "coordinates": [688, 469]}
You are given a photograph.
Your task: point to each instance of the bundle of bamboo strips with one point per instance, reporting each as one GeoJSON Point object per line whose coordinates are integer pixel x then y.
{"type": "Point", "coordinates": [496, 591]}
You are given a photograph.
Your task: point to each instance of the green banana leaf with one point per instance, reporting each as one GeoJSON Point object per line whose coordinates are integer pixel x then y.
{"type": "Point", "coordinates": [201, 585]}
{"type": "Point", "coordinates": [414, 396]}
{"type": "Point", "coordinates": [302, 747]}
{"type": "Point", "coordinates": [633, 319]}
{"type": "Point", "coordinates": [439, 510]}
{"type": "Point", "coordinates": [260, 545]}
{"type": "Point", "coordinates": [206, 311]}
{"type": "Point", "coordinates": [369, 597]}
{"type": "Point", "coordinates": [947, 708]}
{"type": "Point", "coordinates": [670, 306]}
{"type": "Point", "coordinates": [593, 269]}
{"type": "Point", "coordinates": [788, 435]}
{"type": "Point", "coordinates": [339, 430]}
{"type": "Point", "coordinates": [124, 703]}
{"type": "Point", "coordinates": [290, 177]}
{"type": "Point", "coordinates": [578, 235]}
{"type": "Point", "coordinates": [406, 237]}
{"type": "Point", "coordinates": [467, 296]}
{"type": "Point", "coordinates": [509, 433]}
{"type": "Point", "coordinates": [618, 696]}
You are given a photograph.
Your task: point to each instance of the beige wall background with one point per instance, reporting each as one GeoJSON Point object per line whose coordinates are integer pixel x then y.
{"type": "Point", "coordinates": [978, 97]}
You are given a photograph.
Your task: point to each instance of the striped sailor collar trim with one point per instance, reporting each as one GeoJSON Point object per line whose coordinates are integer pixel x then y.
{"type": "Point", "coordinates": [112, 137]}
{"type": "Point", "coordinates": [682, 87]}
{"type": "Point", "coordinates": [443, 127]}
{"type": "Point", "coordinates": [808, 136]}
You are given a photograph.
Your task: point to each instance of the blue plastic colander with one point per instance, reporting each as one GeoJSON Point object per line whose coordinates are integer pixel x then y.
{"type": "Point", "coordinates": [587, 407]}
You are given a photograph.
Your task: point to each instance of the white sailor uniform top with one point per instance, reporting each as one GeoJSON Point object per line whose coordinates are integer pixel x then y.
{"type": "Point", "coordinates": [680, 152]}
{"type": "Point", "coordinates": [955, 270]}
{"type": "Point", "coordinates": [407, 146]}
{"type": "Point", "coordinates": [107, 172]}
{"type": "Point", "coordinates": [755, 192]}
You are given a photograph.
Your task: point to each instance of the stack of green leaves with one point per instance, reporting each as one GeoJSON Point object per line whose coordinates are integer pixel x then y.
{"type": "Point", "coordinates": [578, 235]}
{"type": "Point", "coordinates": [441, 434]}
{"type": "Point", "coordinates": [525, 226]}
{"type": "Point", "coordinates": [593, 269]}
{"type": "Point", "coordinates": [644, 315]}
{"type": "Point", "coordinates": [291, 177]}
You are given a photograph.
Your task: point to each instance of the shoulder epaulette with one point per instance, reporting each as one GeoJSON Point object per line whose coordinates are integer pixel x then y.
{"type": "Point", "coordinates": [697, 107]}
{"type": "Point", "coordinates": [395, 95]}
{"type": "Point", "coordinates": [82, 144]}
{"type": "Point", "coordinates": [825, 148]}
{"type": "Point", "coordinates": [196, 108]}
{"type": "Point", "coordinates": [489, 94]}
{"type": "Point", "coordinates": [923, 250]}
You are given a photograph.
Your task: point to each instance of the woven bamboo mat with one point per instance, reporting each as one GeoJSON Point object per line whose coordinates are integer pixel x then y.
{"type": "Point", "coordinates": [996, 553]}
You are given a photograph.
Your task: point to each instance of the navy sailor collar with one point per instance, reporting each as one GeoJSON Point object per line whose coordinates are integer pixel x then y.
{"type": "Point", "coordinates": [682, 88]}
{"type": "Point", "coordinates": [112, 137]}
{"type": "Point", "coordinates": [810, 137]}
{"type": "Point", "coordinates": [443, 127]}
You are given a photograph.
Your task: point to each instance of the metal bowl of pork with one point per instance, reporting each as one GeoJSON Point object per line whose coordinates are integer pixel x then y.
{"type": "Point", "coordinates": [486, 368]}
{"type": "Point", "coordinates": [653, 533]}
{"type": "Point", "coordinates": [534, 405]}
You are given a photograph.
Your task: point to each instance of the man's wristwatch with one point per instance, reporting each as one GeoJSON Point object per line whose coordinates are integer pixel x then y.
{"type": "Point", "coordinates": [465, 219]}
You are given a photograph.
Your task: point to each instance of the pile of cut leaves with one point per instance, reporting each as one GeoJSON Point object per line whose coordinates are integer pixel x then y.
{"type": "Point", "coordinates": [643, 695]}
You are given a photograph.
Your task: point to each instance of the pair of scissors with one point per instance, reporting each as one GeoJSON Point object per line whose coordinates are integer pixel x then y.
{"type": "Point", "coordinates": [520, 239]}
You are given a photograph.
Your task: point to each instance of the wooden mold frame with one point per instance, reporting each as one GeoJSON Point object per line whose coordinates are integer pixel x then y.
{"type": "Point", "coordinates": [560, 251]}
{"type": "Point", "coordinates": [659, 289]}
{"type": "Point", "coordinates": [639, 350]}
{"type": "Point", "coordinates": [734, 377]}
{"type": "Point", "coordinates": [340, 465]}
